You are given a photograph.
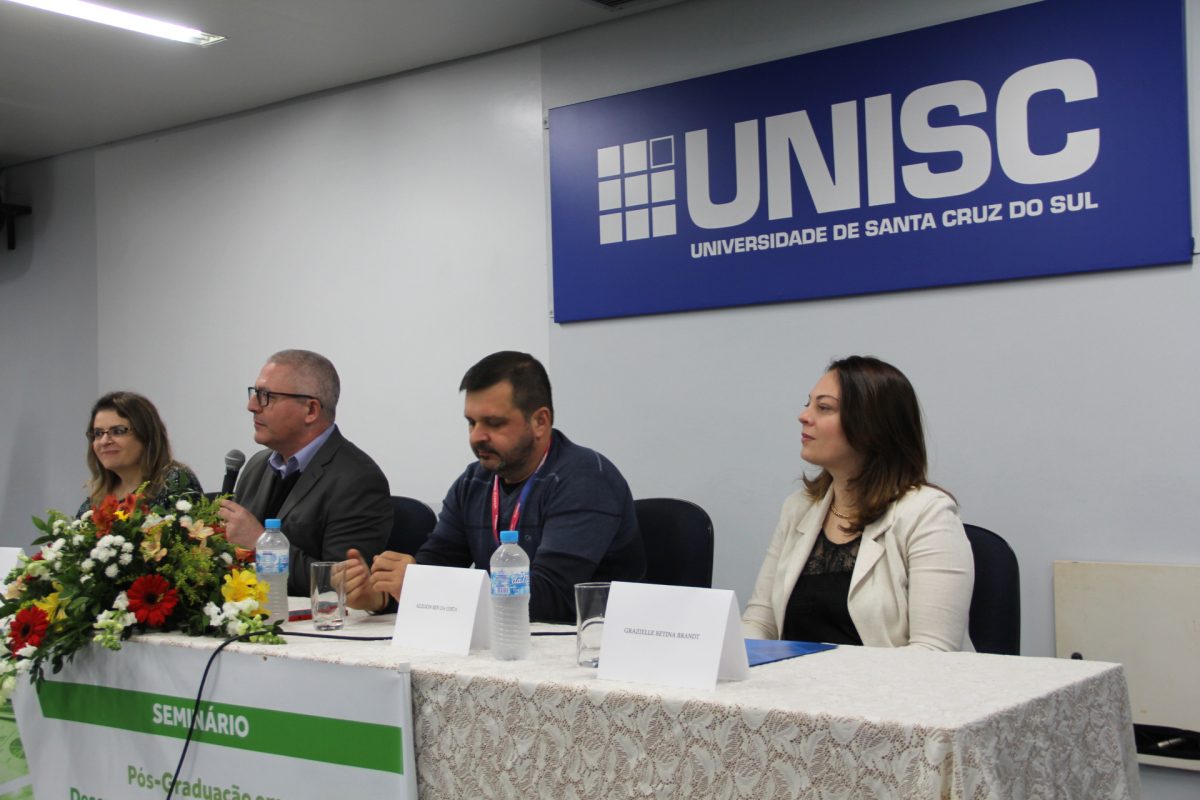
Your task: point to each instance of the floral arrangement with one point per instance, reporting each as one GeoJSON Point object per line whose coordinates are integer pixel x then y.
{"type": "Point", "coordinates": [123, 568]}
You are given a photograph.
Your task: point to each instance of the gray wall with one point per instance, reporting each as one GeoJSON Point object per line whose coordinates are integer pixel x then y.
{"type": "Point", "coordinates": [47, 341]}
{"type": "Point", "coordinates": [401, 228]}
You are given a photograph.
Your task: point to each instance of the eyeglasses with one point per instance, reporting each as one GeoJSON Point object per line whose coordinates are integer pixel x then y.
{"type": "Point", "coordinates": [116, 432]}
{"type": "Point", "coordinates": [263, 397]}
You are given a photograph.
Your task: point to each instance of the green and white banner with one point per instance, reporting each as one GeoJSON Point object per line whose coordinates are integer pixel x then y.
{"type": "Point", "coordinates": [268, 727]}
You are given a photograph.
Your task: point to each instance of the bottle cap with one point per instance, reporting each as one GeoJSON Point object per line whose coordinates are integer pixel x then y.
{"type": "Point", "coordinates": [272, 523]}
{"type": "Point", "coordinates": [509, 537]}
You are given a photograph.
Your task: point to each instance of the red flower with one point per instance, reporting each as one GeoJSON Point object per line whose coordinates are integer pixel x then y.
{"type": "Point", "coordinates": [152, 599]}
{"type": "Point", "coordinates": [28, 627]}
{"type": "Point", "coordinates": [130, 504]}
{"type": "Point", "coordinates": [37, 556]}
{"type": "Point", "coordinates": [103, 515]}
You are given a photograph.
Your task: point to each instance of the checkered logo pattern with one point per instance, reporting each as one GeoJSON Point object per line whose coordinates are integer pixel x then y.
{"type": "Point", "coordinates": [637, 190]}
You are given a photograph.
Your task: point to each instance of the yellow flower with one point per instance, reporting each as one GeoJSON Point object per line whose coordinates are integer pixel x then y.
{"type": "Point", "coordinates": [152, 547]}
{"type": "Point", "coordinates": [241, 584]}
{"type": "Point", "coordinates": [51, 605]}
{"type": "Point", "coordinates": [121, 515]}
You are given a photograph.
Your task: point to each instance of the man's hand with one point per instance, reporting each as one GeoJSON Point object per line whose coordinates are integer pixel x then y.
{"type": "Point", "coordinates": [241, 527]}
{"type": "Point", "coordinates": [359, 593]}
{"type": "Point", "coordinates": [387, 573]}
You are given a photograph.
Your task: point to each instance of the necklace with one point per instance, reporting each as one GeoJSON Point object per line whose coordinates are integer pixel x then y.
{"type": "Point", "coordinates": [839, 514]}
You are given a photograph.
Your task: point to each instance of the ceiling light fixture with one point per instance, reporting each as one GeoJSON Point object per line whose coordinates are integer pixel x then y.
{"type": "Point", "coordinates": [123, 19]}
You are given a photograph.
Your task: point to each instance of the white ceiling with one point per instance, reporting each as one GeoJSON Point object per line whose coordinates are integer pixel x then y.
{"type": "Point", "coordinates": [66, 84]}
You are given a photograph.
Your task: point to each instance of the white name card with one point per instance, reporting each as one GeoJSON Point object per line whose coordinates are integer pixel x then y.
{"type": "Point", "coordinates": [672, 636]}
{"type": "Point", "coordinates": [8, 560]}
{"type": "Point", "coordinates": [443, 609]}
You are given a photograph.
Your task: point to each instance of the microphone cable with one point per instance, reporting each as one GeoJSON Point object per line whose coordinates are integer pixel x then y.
{"type": "Point", "coordinates": [196, 707]}
{"type": "Point", "coordinates": [204, 679]}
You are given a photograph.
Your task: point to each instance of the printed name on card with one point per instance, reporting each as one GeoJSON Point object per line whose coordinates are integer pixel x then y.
{"type": "Point", "coordinates": [443, 609]}
{"type": "Point", "coordinates": [672, 636]}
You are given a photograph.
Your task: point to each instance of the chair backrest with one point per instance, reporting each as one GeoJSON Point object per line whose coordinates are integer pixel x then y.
{"type": "Point", "coordinates": [995, 617]}
{"type": "Point", "coordinates": [412, 522]}
{"type": "Point", "coordinates": [678, 536]}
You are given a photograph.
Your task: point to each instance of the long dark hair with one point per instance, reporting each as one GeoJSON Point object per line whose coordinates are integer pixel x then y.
{"type": "Point", "coordinates": [147, 426]}
{"type": "Point", "coordinates": [881, 420]}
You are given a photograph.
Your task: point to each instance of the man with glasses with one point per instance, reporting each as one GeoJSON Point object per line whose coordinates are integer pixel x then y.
{"type": "Point", "coordinates": [329, 494]}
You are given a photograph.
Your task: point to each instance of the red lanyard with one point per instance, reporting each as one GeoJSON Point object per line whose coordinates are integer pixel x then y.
{"type": "Point", "coordinates": [516, 515]}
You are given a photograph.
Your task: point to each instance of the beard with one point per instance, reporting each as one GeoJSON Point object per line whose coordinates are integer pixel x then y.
{"type": "Point", "coordinates": [513, 462]}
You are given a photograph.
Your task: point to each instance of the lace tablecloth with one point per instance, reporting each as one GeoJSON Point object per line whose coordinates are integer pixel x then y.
{"type": "Point", "coordinates": [851, 722]}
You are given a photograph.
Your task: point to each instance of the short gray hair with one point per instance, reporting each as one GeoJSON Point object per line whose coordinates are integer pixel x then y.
{"type": "Point", "coordinates": [318, 375]}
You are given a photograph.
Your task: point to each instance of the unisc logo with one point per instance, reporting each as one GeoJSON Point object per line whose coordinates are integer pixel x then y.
{"type": "Point", "coordinates": [637, 190]}
{"type": "Point", "coordinates": [637, 187]}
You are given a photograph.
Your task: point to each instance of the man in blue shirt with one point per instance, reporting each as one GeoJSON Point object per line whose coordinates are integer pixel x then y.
{"type": "Point", "coordinates": [572, 507]}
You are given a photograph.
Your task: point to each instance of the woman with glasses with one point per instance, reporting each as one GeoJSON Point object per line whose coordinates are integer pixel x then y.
{"type": "Point", "coordinates": [128, 446]}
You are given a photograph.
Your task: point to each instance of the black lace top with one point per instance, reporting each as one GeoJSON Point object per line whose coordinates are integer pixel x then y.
{"type": "Point", "coordinates": [817, 610]}
{"type": "Point", "coordinates": [178, 481]}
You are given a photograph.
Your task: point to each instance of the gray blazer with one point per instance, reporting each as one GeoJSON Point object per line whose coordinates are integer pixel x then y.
{"type": "Point", "coordinates": [340, 501]}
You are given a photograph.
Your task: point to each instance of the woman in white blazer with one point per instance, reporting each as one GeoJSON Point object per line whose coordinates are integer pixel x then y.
{"type": "Point", "coordinates": [868, 552]}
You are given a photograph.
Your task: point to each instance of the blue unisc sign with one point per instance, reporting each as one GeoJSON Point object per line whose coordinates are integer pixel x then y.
{"type": "Point", "coordinates": [1041, 140]}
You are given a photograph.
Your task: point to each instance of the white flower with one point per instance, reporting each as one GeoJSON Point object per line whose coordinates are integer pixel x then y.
{"type": "Point", "coordinates": [235, 627]}
{"type": "Point", "coordinates": [117, 540]}
{"type": "Point", "coordinates": [185, 521]}
{"type": "Point", "coordinates": [77, 539]}
{"type": "Point", "coordinates": [23, 666]}
{"type": "Point", "coordinates": [228, 559]}
{"type": "Point", "coordinates": [150, 521]}
{"type": "Point", "coordinates": [121, 601]}
{"type": "Point", "coordinates": [101, 553]}
{"type": "Point", "coordinates": [125, 558]}
{"type": "Point", "coordinates": [127, 548]}
{"type": "Point", "coordinates": [28, 651]}
{"type": "Point", "coordinates": [87, 565]}
{"type": "Point", "coordinates": [183, 505]}
{"type": "Point", "coordinates": [7, 684]}
{"type": "Point", "coordinates": [59, 524]}
{"type": "Point", "coordinates": [84, 578]}
{"type": "Point", "coordinates": [247, 606]}
{"type": "Point", "coordinates": [112, 570]}
{"type": "Point", "coordinates": [87, 515]}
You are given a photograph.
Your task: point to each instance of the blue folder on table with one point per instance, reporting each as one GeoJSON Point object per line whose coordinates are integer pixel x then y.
{"type": "Point", "coordinates": [765, 651]}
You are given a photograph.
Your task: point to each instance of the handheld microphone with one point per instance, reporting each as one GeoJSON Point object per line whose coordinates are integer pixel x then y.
{"type": "Point", "coordinates": [234, 460]}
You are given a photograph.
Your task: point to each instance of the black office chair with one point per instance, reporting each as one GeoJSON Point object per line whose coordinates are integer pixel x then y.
{"type": "Point", "coordinates": [995, 616]}
{"type": "Point", "coordinates": [412, 522]}
{"type": "Point", "coordinates": [678, 536]}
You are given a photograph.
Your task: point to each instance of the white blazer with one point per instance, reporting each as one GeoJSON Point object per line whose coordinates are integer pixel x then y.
{"type": "Point", "coordinates": [911, 583]}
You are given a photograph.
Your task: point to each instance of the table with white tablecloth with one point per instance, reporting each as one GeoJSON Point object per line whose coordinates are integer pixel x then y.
{"type": "Point", "coordinates": [849, 722]}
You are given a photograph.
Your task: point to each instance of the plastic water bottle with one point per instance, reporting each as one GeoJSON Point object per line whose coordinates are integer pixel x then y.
{"type": "Point", "coordinates": [510, 599]}
{"type": "Point", "coordinates": [271, 567]}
